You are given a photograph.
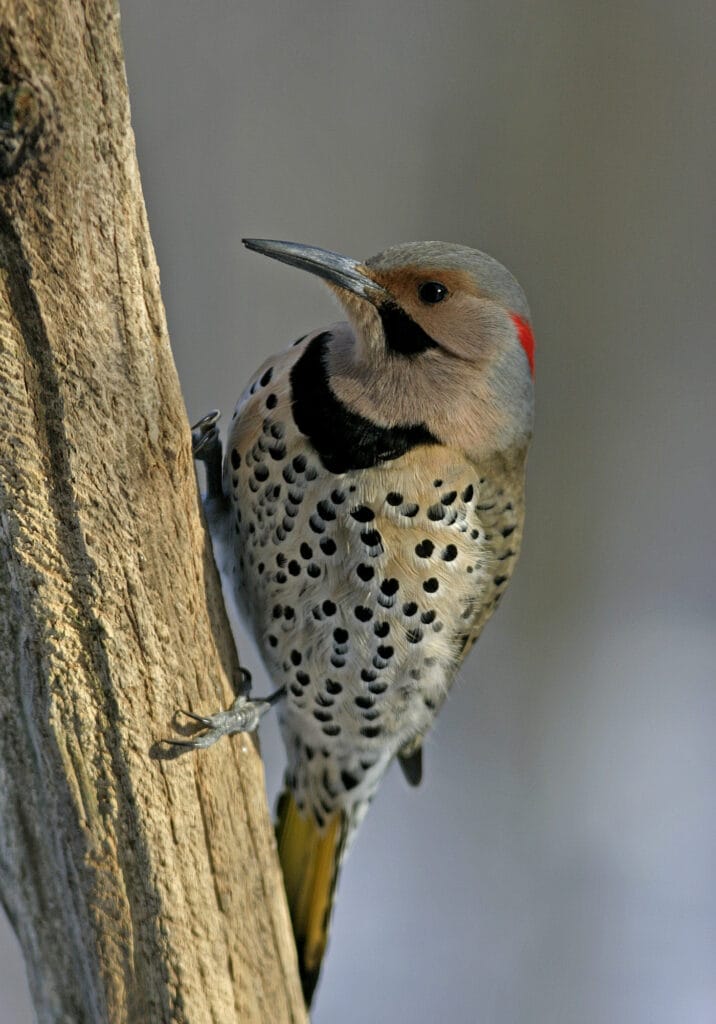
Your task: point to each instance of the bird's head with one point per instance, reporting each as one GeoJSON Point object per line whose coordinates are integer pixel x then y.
{"type": "Point", "coordinates": [440, 335]}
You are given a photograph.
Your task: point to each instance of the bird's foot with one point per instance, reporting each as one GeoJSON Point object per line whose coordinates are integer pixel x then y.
{"type": "Point", "coordinates": [244, 715]}
{"type": "Point", "coordinates": [206, 448]}
{"type": "Point", "coordinates": [205, 435]}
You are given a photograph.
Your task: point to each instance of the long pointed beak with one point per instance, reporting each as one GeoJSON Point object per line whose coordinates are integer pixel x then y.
{"type": "Point", "coordinates": [339, 270]}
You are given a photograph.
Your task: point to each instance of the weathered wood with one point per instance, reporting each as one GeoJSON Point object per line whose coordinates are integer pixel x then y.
{"type": "Point", "coordinates": [142, 888]}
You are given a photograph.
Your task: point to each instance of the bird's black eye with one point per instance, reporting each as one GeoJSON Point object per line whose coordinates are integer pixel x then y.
{"type": "Point", "coordinates": [432, 291]}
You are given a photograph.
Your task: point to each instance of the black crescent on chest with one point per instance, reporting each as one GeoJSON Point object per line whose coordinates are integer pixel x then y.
{"type": "Point", "coordinates": [343, 439]}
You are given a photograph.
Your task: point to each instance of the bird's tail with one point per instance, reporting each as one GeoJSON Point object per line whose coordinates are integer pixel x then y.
{"type": "Point", "coordinates": [310, 859]}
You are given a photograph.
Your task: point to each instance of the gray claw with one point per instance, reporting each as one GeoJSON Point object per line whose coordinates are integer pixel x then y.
{"type": "Point", "coordinates": [244, 715]}
{"type": "Point", "coordinates": [205, 434]}
{"type": "Point", "coordinates": [196, 718]}
{"type": "Point", "coordinates": [203, 444]}
{"type": "Point", "coordinates": [206, 448]}
{"type": "Point", "coordinates": [207, 422]}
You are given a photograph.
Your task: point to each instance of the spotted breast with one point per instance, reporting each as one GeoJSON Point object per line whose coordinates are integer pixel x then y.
{"type": "Point", "coordinates": [365, 587]}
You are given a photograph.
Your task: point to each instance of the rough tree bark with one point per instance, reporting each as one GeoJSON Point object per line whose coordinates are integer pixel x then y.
{"type": "Point", "coordinates": [142, 889]}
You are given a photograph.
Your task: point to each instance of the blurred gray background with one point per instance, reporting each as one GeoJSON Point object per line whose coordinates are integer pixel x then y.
{"type": "Point", "coordinates": [557, 865]}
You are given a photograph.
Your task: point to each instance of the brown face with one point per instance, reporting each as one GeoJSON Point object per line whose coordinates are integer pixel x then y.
{"type": "Point", "coordinates": [438, 336]}
{"type": "Point", "coordinates": [435, 298]}
{"type": "Point", "coordinates": [449, 306]}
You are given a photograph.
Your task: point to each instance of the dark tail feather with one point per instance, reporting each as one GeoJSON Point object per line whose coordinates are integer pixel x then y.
{"type": "Point", "coordinates": [411, 761]}
{"type": "Point", "coordinates": [309, 860]}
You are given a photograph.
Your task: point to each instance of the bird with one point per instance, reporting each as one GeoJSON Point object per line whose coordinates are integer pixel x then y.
{"type": "Point", "coordinates": [367, 517]}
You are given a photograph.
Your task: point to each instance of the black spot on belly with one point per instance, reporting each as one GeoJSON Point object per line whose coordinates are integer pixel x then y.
{"type": "Point", "coordinates": [372, 539]}
{"type": "Point", "coordinates": [370, 731]}
{"type": "Point", "coordinates": [362, 514]}
{"type": "Point", "coordinates": [394, 498]}
{"type": "Point", "coordinates": [306, 550]}
{"type": "Point", "coordinates": [381, 629]}
{"type": "Point", "coordinates": [266, 377]}
{"type": "Point", "coordinates": [468, 493]}
{"type": "Point", "coordinates": [271, 401]}
{"type": "Point", "coordinates": [333, 687]}
{"type": "Point", "coordinates": [424, 549]}
{"type": "Point", "coordinates": [362, 613]}
{"type": "Point", "coordinates": [235, 458]}
{"type": "Point", "coordinates": [343, 439]}
{"type": "Point", "coordinates": [326, 511]}
{"type": "Point", "coordinates": [508, 531]}
{"type": "Point", "coordinates": [431, 585]}
{"type": "Point", "coordinates": [348, 780]}
{"type": "Point", "coordinates": [449, 554]}
{"type": "Point", "coordinates": [365, 572]}
{"type": "Point", "coordinates": [316, 524]}
{"type": "Point", "coordinates": [328, 546]}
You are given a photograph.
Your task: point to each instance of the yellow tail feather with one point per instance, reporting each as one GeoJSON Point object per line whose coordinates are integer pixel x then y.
{"type": "Point", "coordinates": [309, 861]}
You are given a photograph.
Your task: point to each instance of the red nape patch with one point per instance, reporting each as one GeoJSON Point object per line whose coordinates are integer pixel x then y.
{"type": "Point", "coordinates": [527, 339]}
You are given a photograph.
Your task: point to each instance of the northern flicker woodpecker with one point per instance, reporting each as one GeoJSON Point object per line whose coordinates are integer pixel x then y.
{"type": "Point", "coordinates": [370, 516]}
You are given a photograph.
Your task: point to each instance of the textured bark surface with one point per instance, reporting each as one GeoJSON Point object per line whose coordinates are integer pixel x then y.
{"type": "Point", "coordinates": [141, 887]}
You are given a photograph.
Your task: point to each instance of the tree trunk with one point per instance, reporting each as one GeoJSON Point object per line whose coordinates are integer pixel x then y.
{"type": "Point", "coordinates": [142, 888]}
